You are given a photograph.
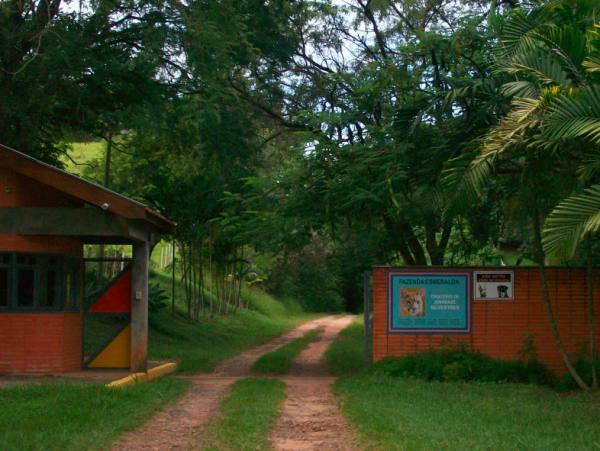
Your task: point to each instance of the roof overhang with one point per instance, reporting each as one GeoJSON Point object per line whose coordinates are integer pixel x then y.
{"type": "Point", "coordinates": [90, 193]}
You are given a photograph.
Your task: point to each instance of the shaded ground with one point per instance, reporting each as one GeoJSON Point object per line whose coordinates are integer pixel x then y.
{"type": "Point", "coordinates": [310, 419]}
{"type": "Point", "coordinates": [173, 428]}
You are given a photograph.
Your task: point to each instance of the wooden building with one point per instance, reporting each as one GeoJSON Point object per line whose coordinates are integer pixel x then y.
{"type": "Point", "coordinates": [46, 217]}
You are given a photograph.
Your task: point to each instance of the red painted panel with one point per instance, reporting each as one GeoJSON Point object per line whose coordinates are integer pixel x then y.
{"type": "Point", "coordinates": [118, 297]}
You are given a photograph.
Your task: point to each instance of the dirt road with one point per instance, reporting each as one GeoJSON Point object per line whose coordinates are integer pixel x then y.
{"type": "Point", "coordinates": [310, 419]}
{"type": "Point", "coordinates": [174, 427]}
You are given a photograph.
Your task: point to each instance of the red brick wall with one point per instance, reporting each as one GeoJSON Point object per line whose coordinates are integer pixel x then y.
{"type": "Point", "coordinates": [40, 343]}
{"type": "Point", "coordinates": [499, 326]}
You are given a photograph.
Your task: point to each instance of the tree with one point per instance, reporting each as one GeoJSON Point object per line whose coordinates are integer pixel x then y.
{"type": "Point", "coordinates": [545, 49]}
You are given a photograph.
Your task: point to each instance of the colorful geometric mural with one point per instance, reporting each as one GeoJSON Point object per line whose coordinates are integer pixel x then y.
{"type": "Point", "coordinates": [107, 325]}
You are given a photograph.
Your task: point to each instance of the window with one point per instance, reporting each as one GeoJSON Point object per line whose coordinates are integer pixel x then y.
{"type": "Point", "coordinates": [37, 282]}
{"type": "Point", "coordinates": [4, 287]}
{"type": "Point", "coordinates": [25, 287]}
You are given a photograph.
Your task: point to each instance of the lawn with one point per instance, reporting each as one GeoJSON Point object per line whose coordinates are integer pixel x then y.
{"type": "Point", "coordinates": [248, 415]}
{"type": "Point", "coordinates": [400, 414]}
{"type": "Point", "coordinates": [280, 361]}
{"type": "Point", "coordinates": [394, 414]}
{"type": "Point", "coordinates": [345, 355]}
{"type": "Point", "coordinates": [77, 417]}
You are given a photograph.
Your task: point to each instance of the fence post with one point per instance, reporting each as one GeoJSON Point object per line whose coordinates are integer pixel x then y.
{"type": "Point", "coordinates": [367, 320]}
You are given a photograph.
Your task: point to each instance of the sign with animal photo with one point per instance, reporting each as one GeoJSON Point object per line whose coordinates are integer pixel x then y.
{"type": "Point", "coordinates": [494, 285]}
{"type": "Point", "coordinates": [429, 302]}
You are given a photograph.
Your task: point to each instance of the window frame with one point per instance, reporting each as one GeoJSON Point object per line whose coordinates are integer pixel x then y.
{"type": "Point", "coordinates": [9, 267]}
{"type": "Point", "coordinates": [64, 264]}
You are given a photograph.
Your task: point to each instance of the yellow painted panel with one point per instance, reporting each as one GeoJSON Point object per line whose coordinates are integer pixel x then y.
{"type": "Point", "coordinates": [117, 354]}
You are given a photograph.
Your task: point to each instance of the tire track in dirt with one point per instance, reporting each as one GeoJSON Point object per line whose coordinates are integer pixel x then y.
{"type": "Point", "coordinates": [310, 418]}
{"type": "Point", "coordinates": [174, 427]}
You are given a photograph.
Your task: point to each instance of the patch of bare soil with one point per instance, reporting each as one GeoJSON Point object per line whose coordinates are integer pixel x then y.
{"type": "Point", "coordinates": [173, 428]}
{"type": "Point", "coordinates": [310, 419]}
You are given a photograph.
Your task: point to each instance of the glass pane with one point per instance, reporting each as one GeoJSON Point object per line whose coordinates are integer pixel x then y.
{"type": "Point", "coordinates": [51, 290]}
{"type": "Point", "coordinates": [21, 260]}
{"type": "Point", "coordinates": [6, 259]}
{"type": "Point", "coordinates": [4, 287]}
{"type": "Point", "coordinates": [25, 287]}
{"type": "Point", "coordinates": [68, 285]}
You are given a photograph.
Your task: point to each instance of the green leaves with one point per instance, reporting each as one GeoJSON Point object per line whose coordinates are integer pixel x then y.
{"type": "Point", "coordinates": [543, 67]}
{"type": "Point", "coordinates": [570, 221]}
{"type": "Point", "coordinates": [576, 114]}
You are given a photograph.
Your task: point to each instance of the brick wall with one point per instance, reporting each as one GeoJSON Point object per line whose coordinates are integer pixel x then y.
{"type": "Point", "coordinates": [499, 326]}
{"type": "Point", "coordinates": [40, 343]}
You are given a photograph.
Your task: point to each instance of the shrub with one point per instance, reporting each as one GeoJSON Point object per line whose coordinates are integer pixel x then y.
{"type": "Point", "coordinates": [583, 364]}
{"type": "Point", "coordinates": [464, 365]}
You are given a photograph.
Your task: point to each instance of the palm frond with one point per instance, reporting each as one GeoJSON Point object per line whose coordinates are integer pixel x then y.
{"type": "Point", "coordinates": [519, 33]}
{"type": "Point", "coordinates": [464, 182]}
{"type": "Point", "coordinates": [570, 221]}
{"type": "Point", "coordinates": [520, 89]}
{"type": "Point", "coordinates": [592, 62]}
{"type": "Point", "coordinates": [576, 114]}
{"type": "Point", "coordinates": [511, 131]}
{"type": "Point", "coordinates": [568, 44]}
{"type": "Point", "coordinates": [544, 67]}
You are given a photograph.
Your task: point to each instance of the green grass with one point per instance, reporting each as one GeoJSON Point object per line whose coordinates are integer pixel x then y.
{"type": "Point", "coordinates": [248, 416]}
{"type": "Point", "coordinates": [345, 355]}
{"type": "Point", "coordinates": [77, 417]}
{"type": "Point", "coordinates": [395, 414]}
{"type": "Point", "coordinates": [200, 346]}
{"type": "Point", "coordinates": [280, 360]}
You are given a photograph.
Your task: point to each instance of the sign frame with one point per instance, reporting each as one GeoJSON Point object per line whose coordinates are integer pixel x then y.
{"type": "Point", "coordinates": [468, 286]}
{"type": "Point", "coordinates": [476, 295]}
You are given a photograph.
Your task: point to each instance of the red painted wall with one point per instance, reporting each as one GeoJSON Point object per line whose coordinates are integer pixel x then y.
{"type": "Point", "coordinates": [499, 326]}
{"type": "Point", "coordinates": [40, 343]}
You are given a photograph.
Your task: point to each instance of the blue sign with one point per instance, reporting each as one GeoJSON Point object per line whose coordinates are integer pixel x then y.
{"type": "Point", "coordinates": [429, 302]}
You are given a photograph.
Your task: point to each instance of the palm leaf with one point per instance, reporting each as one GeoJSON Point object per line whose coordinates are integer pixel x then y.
{"type": "Point", "coordinates": [464, 182]}
{"type": "Point", "coordinates": [542, 66]}
{"type": "Point", "coordinates": [576, 114]}
{"type": "Point", "coordinates": [592, 63]}
{"type": "Point", "coordinates": [570, 221]}
{"type": "Point", "coordinates": [520, 89]}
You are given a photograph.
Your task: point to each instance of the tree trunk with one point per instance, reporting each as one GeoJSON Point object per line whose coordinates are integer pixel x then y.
{"type": "Point", "coordinates": [541, 258]}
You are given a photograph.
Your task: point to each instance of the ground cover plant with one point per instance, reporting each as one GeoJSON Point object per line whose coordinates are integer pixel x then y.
{"type": "Point", "coordinates": [248, 414]}
{"type": "Point", "coordinates": [345, 355]}
{"type": "Point", "coordinates": [464, 365]}
{"type": "Point", "coordinates": [280, 360]}
{"type": "Point", "coordinates": [403, 414]}
{"type": "Point", "coordinates": [78, 417]}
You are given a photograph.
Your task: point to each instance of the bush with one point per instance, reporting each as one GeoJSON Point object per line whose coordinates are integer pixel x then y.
{"type": "Point", "coordinates": [464, 365]}
{"type": "Point", "coordinates": [583, 365]}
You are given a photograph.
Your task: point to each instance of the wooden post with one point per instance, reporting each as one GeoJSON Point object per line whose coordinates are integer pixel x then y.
{"type": "Point", "coordinates": [139, 308]}
{"type": "Point", "coordinates": [367, 319]}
